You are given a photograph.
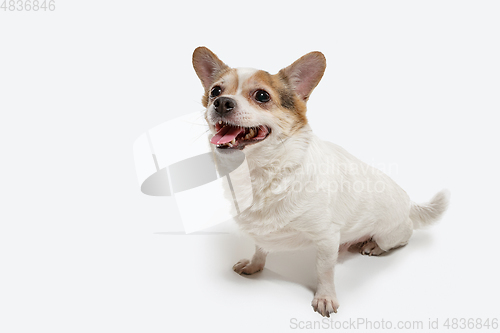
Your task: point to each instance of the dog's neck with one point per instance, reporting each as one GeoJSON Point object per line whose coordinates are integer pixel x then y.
{"type": "Point", "coordinates": [282, 154]}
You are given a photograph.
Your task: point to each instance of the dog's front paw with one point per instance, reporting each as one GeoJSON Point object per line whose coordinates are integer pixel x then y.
{"type": "Point", "coordinates": [325, 305]}
{"type": "Point", "coordinates": [244, 266]}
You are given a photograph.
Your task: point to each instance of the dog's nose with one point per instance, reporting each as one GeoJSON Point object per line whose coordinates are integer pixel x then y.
{"type": "Point", "coordinates": [224, 105]}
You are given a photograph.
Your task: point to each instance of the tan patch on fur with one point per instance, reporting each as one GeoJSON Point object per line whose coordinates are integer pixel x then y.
{"type": "Point", "coordinates": [286, 105]}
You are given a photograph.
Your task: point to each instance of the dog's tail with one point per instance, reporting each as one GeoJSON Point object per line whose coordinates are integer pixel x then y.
{"type": "Point", "coordinates": [425, 214]}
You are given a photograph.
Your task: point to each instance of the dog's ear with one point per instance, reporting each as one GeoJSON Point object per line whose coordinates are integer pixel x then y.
{"type": "Point", "coordinates": [305, 73]}
{"type": "Point", "coordinates": [207, 65]}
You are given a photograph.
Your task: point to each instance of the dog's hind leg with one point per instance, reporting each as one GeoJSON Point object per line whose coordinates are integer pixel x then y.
{"type": "Point", "coordinates": [387, 240]}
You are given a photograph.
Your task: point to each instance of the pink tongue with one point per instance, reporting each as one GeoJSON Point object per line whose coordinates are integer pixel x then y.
{"type": "Point", "coordinates": [226, 134]}
{"type": "Point", "coordinates": [262, 133]}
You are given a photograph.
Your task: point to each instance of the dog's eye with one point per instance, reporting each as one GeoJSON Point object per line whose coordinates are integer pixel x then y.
{"type": "Point", "coordinates": [262, 96]}
{"type": "Point", "coordinates": [216, 91]}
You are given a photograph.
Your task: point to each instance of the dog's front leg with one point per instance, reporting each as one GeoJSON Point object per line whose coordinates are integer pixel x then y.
{"type": "Point", "coordinates": [325, 299]}
{"type": "Point", "coordinates": [245, 266]}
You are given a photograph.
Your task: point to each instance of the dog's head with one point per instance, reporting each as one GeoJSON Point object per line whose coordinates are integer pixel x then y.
{"type": "Point", "coordinates": [246, 107]}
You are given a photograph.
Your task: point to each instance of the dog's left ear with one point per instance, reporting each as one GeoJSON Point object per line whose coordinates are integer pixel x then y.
{"type": "Point", "coordinates": [207, 65]}
{"type": "Point", "coordinates": [305, 73]}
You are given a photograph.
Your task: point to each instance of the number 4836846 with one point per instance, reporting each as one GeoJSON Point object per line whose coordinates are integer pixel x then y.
{"type": "Point", "coordinates": [28, 5]}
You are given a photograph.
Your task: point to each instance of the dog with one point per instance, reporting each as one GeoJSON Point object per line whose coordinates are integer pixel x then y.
{"type": "Point", "coordinates": [305, 191]}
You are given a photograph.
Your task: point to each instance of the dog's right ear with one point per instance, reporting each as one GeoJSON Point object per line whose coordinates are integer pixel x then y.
{"type": "Point", "coordinates": [207, 66]}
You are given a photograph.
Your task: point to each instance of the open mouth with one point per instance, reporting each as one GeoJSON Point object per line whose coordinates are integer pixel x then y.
{"type": "Point", "coordinates": [229, 136]}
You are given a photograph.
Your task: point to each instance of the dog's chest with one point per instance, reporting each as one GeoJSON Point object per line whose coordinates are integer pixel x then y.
{"type": "Point", "coordinates": [283, 239]}
{"type": "Point", "coordinates": [274, 204]}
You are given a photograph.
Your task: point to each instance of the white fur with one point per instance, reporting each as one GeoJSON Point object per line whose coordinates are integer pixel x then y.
{"type": "Point", "coordinates": [282, 218]}
{"type": "Point", "coordinates": [243, 75]}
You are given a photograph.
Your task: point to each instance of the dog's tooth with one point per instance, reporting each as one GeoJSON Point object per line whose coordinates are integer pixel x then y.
{"type": "Point", "coordinates": [220, 122]}
{"type": "Point", "coordinates": [233, 141]}
{"type": "Point", "coordinates": [229, 144]}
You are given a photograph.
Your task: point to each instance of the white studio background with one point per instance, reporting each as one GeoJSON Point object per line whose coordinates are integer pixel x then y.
{"type": "Point", "coordinates": [411, 86]}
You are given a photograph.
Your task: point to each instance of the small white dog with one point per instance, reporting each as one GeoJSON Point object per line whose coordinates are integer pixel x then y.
{"type": "Point", "coordinates": [305, 191]}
